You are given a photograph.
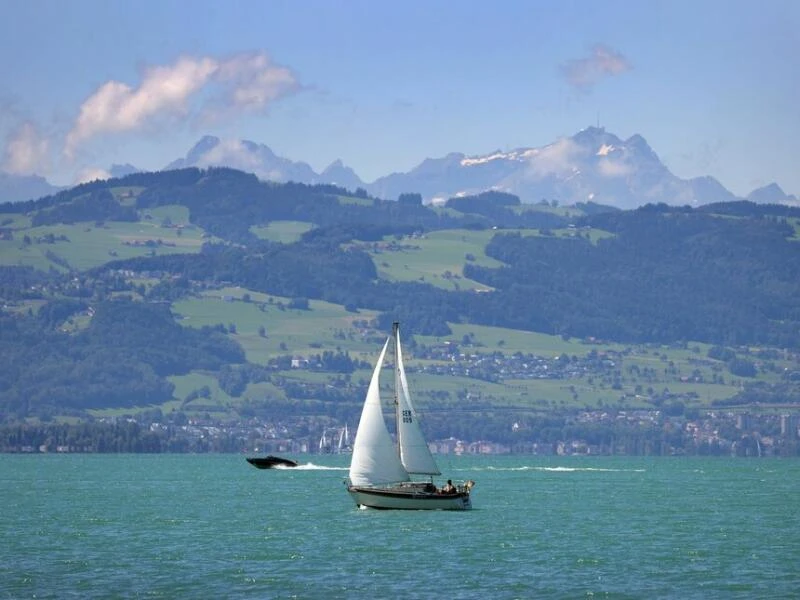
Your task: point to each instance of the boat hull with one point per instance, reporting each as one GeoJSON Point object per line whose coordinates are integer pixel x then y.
{"type": "Point", "coordinates": [398, 498]}
{"type": "Point", "coordinates": [271, 462]}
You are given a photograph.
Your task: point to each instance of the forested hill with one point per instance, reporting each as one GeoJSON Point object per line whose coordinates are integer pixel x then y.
{"type": "Point", "coordinates": [665, 275]}
{"type": "Point", "coordinates": [725, 274]}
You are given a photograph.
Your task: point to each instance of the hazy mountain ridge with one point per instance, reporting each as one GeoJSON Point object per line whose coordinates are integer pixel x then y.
{"type": "Point", "coordinates": [14, 188]}
{"type": "Point", "coordinates": [246, 156]}
{"type": "Point", "coordinates": [772, 194]}
{"type": "Point", "coordinates": [122, 170]}
{"type": "Point", "coordinates": [594, 165]}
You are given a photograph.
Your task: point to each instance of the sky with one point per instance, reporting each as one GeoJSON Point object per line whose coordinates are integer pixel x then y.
{"type": "Point", "coordinates": [713, 86]}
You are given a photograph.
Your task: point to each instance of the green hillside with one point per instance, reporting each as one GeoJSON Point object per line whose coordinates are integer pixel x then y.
{"type": "Point", "coordinates": [209, 294]}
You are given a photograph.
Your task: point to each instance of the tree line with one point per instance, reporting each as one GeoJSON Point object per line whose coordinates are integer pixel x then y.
{"type": "Point", "coordinates": [121, 359]}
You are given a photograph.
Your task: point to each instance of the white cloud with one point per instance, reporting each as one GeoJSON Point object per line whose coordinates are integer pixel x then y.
{"type": "Point", "coordinates": [602, 62]}
{"type": "Point", "coordinates": [88, 174]}
{"type": "Point", "coordinates": [26, 151]}
{"type": "Point", "coordinates": [613, 168]}
{"type": "Point", "coordinates": [559, 158]}
{"type": "Point", "coordinates": [116, 107]}
{"type": "Point", "coordinates": [253, 81]}
{"type": "Point", "coordinates": [229, 152]}
{"type": "Point", "coordinates": [190, 86]}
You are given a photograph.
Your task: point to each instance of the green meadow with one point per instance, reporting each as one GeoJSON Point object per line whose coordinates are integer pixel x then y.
{"type": "Point", "coordinates": [284, 232]}
{"type": "Point", "coordinates": [126, 194]}
{"type": "Point", "coordinates": [796, 224]}
{"type": "Point", "coordinates": [508, 341]}
{"type": "Point", "coordinates": [436, 258]}
{"type": "Point", "coordinates": [81, 246]}
{"type": "Point", "coordinates": [324, 326]}
{"type": "Point", "coordinates": [644, 370]}
{"type": "Point", "coordinates": [344, 200]}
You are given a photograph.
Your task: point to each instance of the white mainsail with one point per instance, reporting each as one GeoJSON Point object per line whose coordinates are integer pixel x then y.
{"type": "Point", "coordinates": [379, 469]}
{"type": "Point", "coordinates": [375, 460]}
{"type": "Point", "coordinates": [414, 451]}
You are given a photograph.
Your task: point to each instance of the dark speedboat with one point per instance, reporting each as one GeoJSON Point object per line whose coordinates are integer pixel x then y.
{"type": "Point", "coordinates": [270, 462]}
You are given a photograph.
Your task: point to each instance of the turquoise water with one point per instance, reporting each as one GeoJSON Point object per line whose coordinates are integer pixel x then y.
{"type": "Point", "coordinates": [176, 526]}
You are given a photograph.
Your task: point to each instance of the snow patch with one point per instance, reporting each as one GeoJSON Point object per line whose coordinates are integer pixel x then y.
{"type": "Point", "coordinates": [480, 160]}
{"type": "Point", "coordinates": [605, 149]}
{"type": "Point", "coordinates": [517, 155]}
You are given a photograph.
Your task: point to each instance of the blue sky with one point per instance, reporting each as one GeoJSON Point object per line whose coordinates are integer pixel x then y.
{"type": "Point", "coordinates": [714, 86]}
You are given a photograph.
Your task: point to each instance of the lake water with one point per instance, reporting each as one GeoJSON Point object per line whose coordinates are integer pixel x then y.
{"type": "Point", "coordinates": [212, 526]}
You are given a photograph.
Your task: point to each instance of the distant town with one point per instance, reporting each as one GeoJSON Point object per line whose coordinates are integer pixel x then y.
{"type": "Point", "coordinates": [716, 433]}
{"type": "Point", "coordinates": [674, 424]}
{"type": "Point", "coordinates": [594, 433]}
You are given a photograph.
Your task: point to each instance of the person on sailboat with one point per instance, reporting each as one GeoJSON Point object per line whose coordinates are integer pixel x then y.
{"type": "Point", "coordinates": [449, 488]}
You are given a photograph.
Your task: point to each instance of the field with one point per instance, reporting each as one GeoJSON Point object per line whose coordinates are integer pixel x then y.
{"type": "Point", "coordinates": [164, 230]}
{"type": "Point", "coordinates": [509, 341]}
{"type": "Point", "coordinates": [324, 326]}
{"type": "Point", "coordinates": [284, 232]}
{"type": "Point", "coordinates": [796, 224]}
{"type": "Point", "coordinates": [436, 258]}
{"type": "Point", "coordinates": [644, 370]}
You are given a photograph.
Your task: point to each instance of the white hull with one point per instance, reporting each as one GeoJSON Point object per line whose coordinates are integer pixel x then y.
{"type": "Point", "coordinates": [408, 498]}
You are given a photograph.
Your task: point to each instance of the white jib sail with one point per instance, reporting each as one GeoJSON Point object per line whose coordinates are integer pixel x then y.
{"type": "Point", "coordinates": [414, 451]}
{"type": "Point", "coordinates": [375, 460]}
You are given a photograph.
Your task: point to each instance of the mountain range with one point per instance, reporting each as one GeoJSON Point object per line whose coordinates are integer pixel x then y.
{"type": "Point", "coordinates": [592, 165]}
{"type": "Point", "coordinates": [14, 188]}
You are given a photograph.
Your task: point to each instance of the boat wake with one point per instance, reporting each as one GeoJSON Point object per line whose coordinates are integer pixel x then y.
{"type": "Point", "coordinates": [566, 469]}
{"type": "Point", "coordinates": [313, 467]}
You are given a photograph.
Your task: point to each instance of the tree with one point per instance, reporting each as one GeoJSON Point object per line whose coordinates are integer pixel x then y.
{"type": "Point", "coordinates": [742, 367]}
{"type": "Point", "coordinates": [410, 199]}
{"type": "Point", "coordinates": [299, 303]}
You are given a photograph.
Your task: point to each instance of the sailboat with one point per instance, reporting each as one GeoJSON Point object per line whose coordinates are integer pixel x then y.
{"type": "Point", "coordinates": [380, 470]}
{"type": "Point", "coordinates": [343, 446]}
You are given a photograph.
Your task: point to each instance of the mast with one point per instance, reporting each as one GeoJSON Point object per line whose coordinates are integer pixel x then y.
{"type": "Point", "coordinates": [396, 336]}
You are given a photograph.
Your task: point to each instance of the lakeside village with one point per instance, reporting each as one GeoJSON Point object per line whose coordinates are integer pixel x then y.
{"type": "Point", "coordinates": [717, 433]}
{"type": "Point", "coordinates": [586, 433]}
{"type": "Point", "coordinates": [673, 424]}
